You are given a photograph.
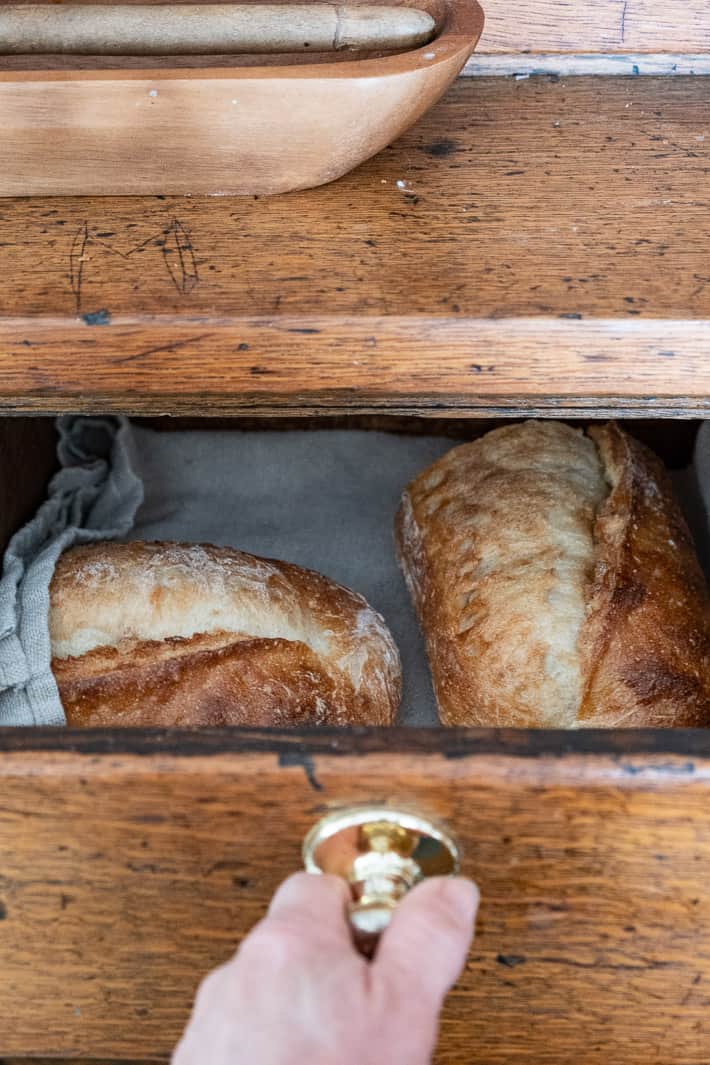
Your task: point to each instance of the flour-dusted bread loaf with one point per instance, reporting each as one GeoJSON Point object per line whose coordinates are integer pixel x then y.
{"type": "Point", "coordinates": [556, 583]}
{"type": "Point", "coordinates": [186, 635]}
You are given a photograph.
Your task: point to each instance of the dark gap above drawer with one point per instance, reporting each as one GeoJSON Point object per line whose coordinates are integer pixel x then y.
{"type": "Point", "coordinates": [294, 746]}
{"type": "Point", "coordinates": [28, 458]}
{"type": "Point", "coordinates": [671, 439]}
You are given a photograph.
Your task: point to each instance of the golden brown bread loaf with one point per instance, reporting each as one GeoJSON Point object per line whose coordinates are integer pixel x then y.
{"type": "Point", "coordinates": [187, 635]}
{"type": "Point", "coordinates": [557, 583]}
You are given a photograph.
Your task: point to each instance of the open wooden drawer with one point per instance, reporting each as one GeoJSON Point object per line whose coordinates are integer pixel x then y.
{"type": "Point", "coordinates": [132, 861]}
{"type": "Point", "coordinates": [534, 246]}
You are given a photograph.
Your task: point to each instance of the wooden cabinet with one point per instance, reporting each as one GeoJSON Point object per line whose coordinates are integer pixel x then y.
{"type": "Point", "coordinates": [133, 861]}
{"type": "Point", "coordinates": [534, 246]}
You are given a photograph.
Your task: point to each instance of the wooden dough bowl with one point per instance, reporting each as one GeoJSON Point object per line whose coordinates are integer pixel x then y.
{"type": "Point", "coordinates": [72, 127]}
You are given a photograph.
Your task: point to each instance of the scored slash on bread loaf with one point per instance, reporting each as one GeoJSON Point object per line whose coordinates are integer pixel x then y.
{"type": "Point", "coordinates": [183, 634]}
{"type": "Point", "coordinates": [645, 647]}
{"type": "Point", "coordinates": [556, 583]}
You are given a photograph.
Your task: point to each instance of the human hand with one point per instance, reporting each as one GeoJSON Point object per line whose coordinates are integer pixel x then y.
{"type": "Point", "coordinates": [298, 991]}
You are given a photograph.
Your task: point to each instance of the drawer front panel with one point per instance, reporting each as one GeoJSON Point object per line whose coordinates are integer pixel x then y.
{"type": "Point", "coordinates": [133, 863]}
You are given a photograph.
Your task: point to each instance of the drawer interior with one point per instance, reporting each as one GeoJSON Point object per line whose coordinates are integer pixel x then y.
{"type": "Point", "coordinates": [28, 448]}
{"type": "Point", "coordinates": [28, 460]}
{"type": "Point", "coordinates": [370, 566]}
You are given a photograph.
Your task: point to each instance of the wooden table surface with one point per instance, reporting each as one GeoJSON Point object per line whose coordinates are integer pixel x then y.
{"type": "Point", "coordinates": [537, 244]}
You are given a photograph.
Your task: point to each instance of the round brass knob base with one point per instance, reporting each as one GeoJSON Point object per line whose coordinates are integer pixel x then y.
{"type": "Point", "coordinates": [382, 852]}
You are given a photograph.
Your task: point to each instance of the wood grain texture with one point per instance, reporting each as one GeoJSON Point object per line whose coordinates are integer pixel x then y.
{"type": "Point", "coordinates": [145, 857]}
{"type": "Point", "coordinates": [363, 364]}
{"type": "Point", "coordinates": [596, 26]}
{"type": "Point", "coordinates": [532, 244]}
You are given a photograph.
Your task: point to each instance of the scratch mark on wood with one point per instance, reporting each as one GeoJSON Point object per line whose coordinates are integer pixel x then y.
{"type": "Point", "coordinates": [623, 20]}
{"type": "Point", "coordinates": [173, 346]}
{"type": "Point", "coordinates": [174, 242]}
{"type": "Point", "coordinates": [644, 966]}
{"type": "Point", "coordinates": [76, 262]}
{"type": "Point", "coordinates": [184, 274]}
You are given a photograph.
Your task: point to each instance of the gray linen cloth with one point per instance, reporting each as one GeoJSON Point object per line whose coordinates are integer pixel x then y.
{"type": "Point", "coordinates": [94, 496]}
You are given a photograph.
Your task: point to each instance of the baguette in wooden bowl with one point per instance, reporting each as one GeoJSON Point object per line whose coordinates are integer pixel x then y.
{"type": "Point", "coordinates": [557, 583]}
{"type": "Point", "coordinates": [167, 634]}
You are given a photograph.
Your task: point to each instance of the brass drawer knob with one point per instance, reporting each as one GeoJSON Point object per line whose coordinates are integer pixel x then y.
{"type": "Point", "coordinates": [382, 853]}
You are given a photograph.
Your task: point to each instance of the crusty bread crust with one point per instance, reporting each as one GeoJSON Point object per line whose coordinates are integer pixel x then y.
{"type": "Point", "coordinates": [556, 583]}
{"type": "Point", "coordinates": [177, 634]}
{"type": "Point", "coordinates": [645, 648]}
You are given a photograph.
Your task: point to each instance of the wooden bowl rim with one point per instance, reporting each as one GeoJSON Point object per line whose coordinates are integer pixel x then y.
{"type": "Point", "coordinates": [461, 32]}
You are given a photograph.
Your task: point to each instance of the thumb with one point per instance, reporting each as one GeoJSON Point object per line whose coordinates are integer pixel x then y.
{"type": "Point", "coordinates": [428, 937]}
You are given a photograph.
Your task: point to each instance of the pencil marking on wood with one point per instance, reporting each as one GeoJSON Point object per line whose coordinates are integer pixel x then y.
{"type": "Point", "coordinates": [623, 20]}
{"type": "Point", "coordinates": [184, 274]}
{"type": "Point", "coordinates": [174, 242]}
{"type": "Point", "coordinates": [76, 262]}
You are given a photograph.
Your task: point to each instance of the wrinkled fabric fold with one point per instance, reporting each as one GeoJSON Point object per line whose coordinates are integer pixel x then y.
{"type": "Point", "coordinates": [94, 496]}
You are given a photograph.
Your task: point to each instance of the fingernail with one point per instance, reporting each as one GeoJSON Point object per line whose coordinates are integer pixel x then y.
{"type": "Point", "coordinates": [462, 896]}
